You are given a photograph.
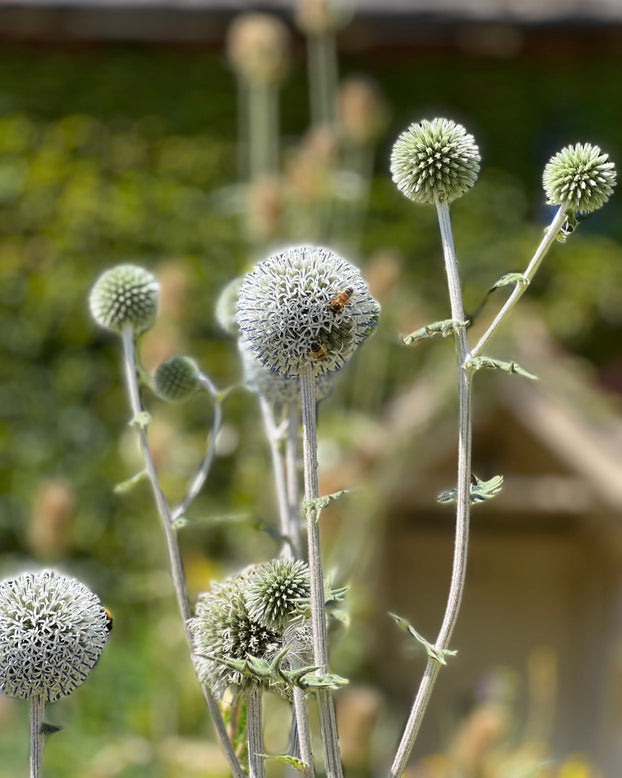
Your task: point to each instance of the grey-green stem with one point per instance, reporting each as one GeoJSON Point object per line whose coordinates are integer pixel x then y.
{"type": "Point", "coordinates": [172, 545]}
{"type": "Point", "coordinates": [293, 490]}
{"type": "Point", "coordinates": [326, 707]}
{"type": "Point", "coordinates": [37, 705]}
{"type": "Point", "coordinates": [458, 576]}
{"type": "Point", "coordinates": [545, 244]}
{"type": "Point", "coordinates": [322, 65]}
{"type": "Point", "coordinates": [256, 766]}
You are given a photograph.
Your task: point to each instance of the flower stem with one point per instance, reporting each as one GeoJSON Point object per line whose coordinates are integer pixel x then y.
{"type": "Point", "coordinates": [278, 468]}
{"type": "Point", "coordinates": [293, 491]}
{"type": "Point", "coordinates": [256, 766]}
{"type": "Point", "coordinates": [37, 705]}
{"type": "Point", "coordinates": [458, 576]}
{"type": "Point", "coordinates": [328, 723]}
{"type": "Point", "coordinates": [172, 545]}
{"type": "Point", "coordinates": [322, 65]}
{"type": "Point", "coordinates": [545, 244]}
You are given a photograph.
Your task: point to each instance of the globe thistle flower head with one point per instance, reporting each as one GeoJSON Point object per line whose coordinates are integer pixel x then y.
{"type": "Point", "coordinates": [287, 315]}
{"type": "Point", "coordinates": [223, 630]}
{"type": "Point", "coordinates": [52, 632]}
{"type": "Point", "coordinates": [579, 177]}
{"type": "Point", "coordinates": [258, 47]}
{"type": "Point", "coordinates": [279, 390]}
{"type": "Point", "coordinates": [125, 296]}
{"type": "Point", "coordinates": [435, 161]}
{"type": "Point", "coordinates": [226, 307]}
{"type": "Point", "coordinates": [275, 590]}
{"type": "Point", "coordinates": [176, 379]}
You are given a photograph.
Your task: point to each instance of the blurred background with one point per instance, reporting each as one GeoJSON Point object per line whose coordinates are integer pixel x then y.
{"type": "Point", "coordinates": [191, 138]}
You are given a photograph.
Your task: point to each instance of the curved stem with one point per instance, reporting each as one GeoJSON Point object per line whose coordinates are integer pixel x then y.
{"type": "Point", "coordinates": [328, 722]}
{"type": "Point", "coordinates": [172, 545]}
{"type": "Point", "coordinates": [205, 466]}
{"type": "Point", "coordinates": [458, 575]}
{"type": "Point", "coordinates": [37, 705]}
{"type": "Point", "coordinates": [520, 289]}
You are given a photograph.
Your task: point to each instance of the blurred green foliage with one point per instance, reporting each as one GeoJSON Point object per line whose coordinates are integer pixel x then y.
{"type": "Point", "coordinates": [115, 154]}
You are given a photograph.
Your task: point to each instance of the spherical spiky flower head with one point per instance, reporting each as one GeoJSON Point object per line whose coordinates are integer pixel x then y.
{"type": "Point", "coordinates": [305, 305]}
{"type": "Point", "coordinates": [279, 390]}
{"type": "Point", "coordinates": [435, 161]}
{"type": "Point", "coordinates": [580, 177]}
{"type": "Point", "coordinates": [176, 379]}
{"type": "Point", "coordinates": [223, 630]}
{"type": "Point", "coordinates": [275, 590]}
{"type": "Point", "coordinates": [52, 632]}
{"type": "Point", "coordinates": [125, 296]}
{"type": "Point", "coordinates": [226, 307]}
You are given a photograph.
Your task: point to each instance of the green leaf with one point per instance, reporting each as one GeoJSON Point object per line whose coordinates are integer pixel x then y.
{"type": "Point", "coordinates": [487, 363]}
{"type": "Point", "coordinates": [301, 766]}
{"type": "Point", "coordinates": [438, 654]}
{"type": "Point", "coordinates": [480, 491]}
{"type": "Point", "coordinates": [130, 483]}
{"type": "Point", "coordinates": [438, 329]}
{"type": "Point", "coordinates": [568, 227]}
{"type": "Point", "coordinates": [180, 522]}
{"type": "Point", "coordinates": [319, 503]}
{"type": "Point", "coordinates": [142, 420]}
{"type": "Point", "coordinates": [49, 729]}
{"type": "Point", "coordinates": [511, 279]}
{"type": "Point", "coordinates": [328, 681]}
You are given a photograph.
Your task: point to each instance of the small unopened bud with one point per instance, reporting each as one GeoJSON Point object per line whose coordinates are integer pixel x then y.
{"type": "Point", "coordinates": [435, 161]}
{"type": "Point", "coordinates": [580, 177]}
{"type": "Point", "coordinates": [176, 379]}
{"type": "Point", "coordinates": [275, 590]}
{"type": "Point", "coordinates": [258, 47]}
{"type": "Point", "coordinates": [125, 296]}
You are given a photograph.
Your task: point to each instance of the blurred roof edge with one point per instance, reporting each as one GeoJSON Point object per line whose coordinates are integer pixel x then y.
{"type": "Point", "coordinates": [204, 21]}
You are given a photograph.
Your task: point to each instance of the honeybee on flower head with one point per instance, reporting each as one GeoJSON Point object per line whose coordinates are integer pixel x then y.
{"type": "Point", "coordinates": [108, 619]}
{"type": "Point", "coordinates": [318, 351]}
{"type": "Point", "coordinates": [341, 299]}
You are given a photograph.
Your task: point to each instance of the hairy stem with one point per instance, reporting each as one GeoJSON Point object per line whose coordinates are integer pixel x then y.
{"type": "Point", "coordinates": [256, 766]}
{"type": "Point", "coordinates": [520, 289]}
{"type": "Point", "coordinates": [302, 731]}
{"type": "Point", "coordinates": [293, 490]}
{"type": "Point", "coordinates": [458, 576]}
{"type": "Point", "coordinates": [328, 722]}
{"type": "Point", "coordinates": [37, 705]}
{"type": "Point", "coordinates": [273, 433]}
{"type": "Point", "coordinates": [172, 545]}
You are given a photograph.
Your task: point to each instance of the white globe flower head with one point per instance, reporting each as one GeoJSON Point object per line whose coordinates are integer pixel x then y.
{"type": "Point", "coordinates": [125, 296]}
{"type": "Point", "coordinates": [305, 305]}
{"type": "Point", "coordinates": [52, 632]}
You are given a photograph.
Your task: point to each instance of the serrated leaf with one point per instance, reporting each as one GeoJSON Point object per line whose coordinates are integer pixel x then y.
{"type": "Point", "coordinates": [480, 491]}
{"type": "Point", "coordinates": [301, 766]}
{"type": "Point", "coordinates": [437, 654]}
{"type": "Point", "coordinates": [487, 363]}
{"type": "Point", "coordinates": [438, 329]}
{"type": "Point", "coordinates": [142, 420]}
{"type": "Point", "coordinates": [319, 503]}
{"type": "Point", "coordinates": [511, 279]}
{"type": "Point", "coordinates": [568, 227]}
{"type": "Point", "coordinates": [130, 483]}
{"type": "Point", "coordinates": [49, 729]}
{"type": "Point", "coordinates": [327, 681]}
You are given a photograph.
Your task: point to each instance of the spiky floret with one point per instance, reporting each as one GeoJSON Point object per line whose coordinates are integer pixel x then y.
{"type": "Point", "coordinates": [579, 177]}
{"type": "Point", "coordinates": [52, 632]}
{"type": "Point", "coordinates": [284, 311]}
{"type": "Point", "coordinates": [435, 161]}
{"type": "Point", "coordinates": [274, 591]}
{"type": "Point", "coordinates": [125, 296]}
{"type": "Point", "coordinates": [222, 630]}
{"type": "Point", "coordinates": [176, 379]}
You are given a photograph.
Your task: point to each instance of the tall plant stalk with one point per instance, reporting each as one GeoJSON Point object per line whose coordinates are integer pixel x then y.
{"type": "Point", "coordinates": [37, 705]}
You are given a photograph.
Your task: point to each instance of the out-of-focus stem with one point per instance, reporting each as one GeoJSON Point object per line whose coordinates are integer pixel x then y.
{"type": "Point", "coordinates": [322, 63]}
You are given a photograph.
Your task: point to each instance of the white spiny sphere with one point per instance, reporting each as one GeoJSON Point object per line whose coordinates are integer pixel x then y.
{"type": "Point", "coordinates": [52, 632]}
{"type": "Point", "coordinates": [285, 316]}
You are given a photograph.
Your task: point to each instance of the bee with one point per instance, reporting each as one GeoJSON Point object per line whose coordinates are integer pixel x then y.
{"type": "Point", "coordinates": [318, 351]}
{"type": "Point", "coordinates": [108, 619]}
{"type": "Point", "coordinates": [341, 299]}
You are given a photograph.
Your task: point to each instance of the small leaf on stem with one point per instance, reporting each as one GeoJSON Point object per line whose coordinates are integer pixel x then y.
{"type": "Point", "coordinates": [487, 363]}
{"type": "Point", "coordinates": [130, 483]}
{"type": "Point", "coordinates": [438, 329]}
{"type": "Point", "coordinates": [480, 491]}
{"type": "Point", "coordinates": [433, 653]}
{"type": "Point", "coordinates": [142, 420]}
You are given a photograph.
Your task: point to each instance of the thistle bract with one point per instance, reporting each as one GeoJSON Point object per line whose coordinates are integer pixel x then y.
{"type": "Point", "coordinates": [125, 296]}
{"type": "Point", "coordinates": [52, 632]}
{"type": "Point", "coordinates": [176, 379]}
{"type": "Point", "coordinates": [435, 161]}
{"type": "Point", "coordinates": [285, 315]}
{"type": "Point", "coordinates": [580, 177]}
{"type": "Point", "coordinates": [275, 590]}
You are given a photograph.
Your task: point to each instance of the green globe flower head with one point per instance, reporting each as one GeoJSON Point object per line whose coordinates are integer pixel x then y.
{"type": "Point", "coordinates": [126, 296]}
{"type": "Point", "coordinates": [435, 161]}
{"type": "Point", "coordinates": [305, 305]}
{"type": "Point", "coordinates": [275, 590]}
{"type": "Point", "coordinates": [176, 379]}
{"type": "Point", "coordinates": [222, 629]}
{"type": "Point", "coordinates": [581, 178]}
{"type": "Point", "coordinates": [52, 633]}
